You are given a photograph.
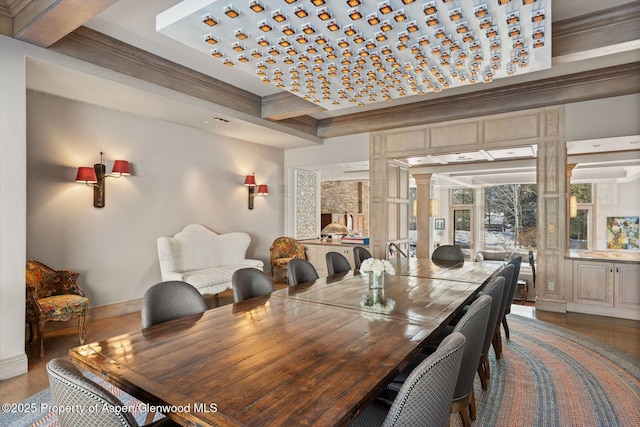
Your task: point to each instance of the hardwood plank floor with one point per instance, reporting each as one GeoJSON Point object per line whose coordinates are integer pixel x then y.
{"type": "Point", "coordinates": [620, 333]}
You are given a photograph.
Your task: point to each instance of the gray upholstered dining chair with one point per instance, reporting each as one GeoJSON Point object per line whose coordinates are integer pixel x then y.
{"type": "Point", "coordinates": [507, 273]}
{"type": "Point", "coordinates": [448, 253]}
{"type": "Point", "coordinates": [495, 289]}
{"type": "Point", "coordinates": [473, 326]}
{"type": "Point", "coordinates": [516, 262]}
{"type": "Point", "coordinates": [425, 397]}
{"type": "Point", "coordinates": [170, 300]}
{"type": "Point", "coordinates": [250, 283]}
{"type": "Point", "coordinates": [359, 255]}
{"type": "Point", "coordinates": [69, 387]}
{"type": "Point", "coordinates": [300, 271]}
{"type": "Point", "coordinates": [336, 263]}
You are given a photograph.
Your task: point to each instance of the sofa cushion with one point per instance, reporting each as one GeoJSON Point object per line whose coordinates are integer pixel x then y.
{"type": "Point", "coordinates": [211, 276]}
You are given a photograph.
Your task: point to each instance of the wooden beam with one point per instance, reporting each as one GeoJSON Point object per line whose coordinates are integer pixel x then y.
{"type": "Point", "coordinates": [595, 84]}
{"type": "Point", "coordinates": [285, 105]}
{"type": "Point", "coordinates": [104, 51]}
{"type": "Point", "coordinates": [44, 22]}
{"type": "Point", "coordinates": [604, 28]}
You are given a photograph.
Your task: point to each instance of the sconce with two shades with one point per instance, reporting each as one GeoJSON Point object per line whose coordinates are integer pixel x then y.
{"type": "Point", "coordinates": [95, 177]}
{"type": "Point", "coordinates": [250, 183]}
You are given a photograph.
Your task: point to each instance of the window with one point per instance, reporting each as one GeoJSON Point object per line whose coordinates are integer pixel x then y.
{"type": "Point", "coordinates": [580, 225]}
{"type": "Point", "coordinates": [462, 196]}
{"type": "Point", "coordinates": [510, 216]}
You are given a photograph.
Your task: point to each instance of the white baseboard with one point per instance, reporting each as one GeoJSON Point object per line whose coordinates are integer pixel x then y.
{"type": "Point", "coordinates": [621, 313]}
{"type": "Point", "coordinates": [551, 305]}
{"type": "Point", "coordinates": [13, 366]}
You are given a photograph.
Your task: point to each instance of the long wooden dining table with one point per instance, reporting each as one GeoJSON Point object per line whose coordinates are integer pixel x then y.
{"type": "Point", "coordinates": [313, 354]}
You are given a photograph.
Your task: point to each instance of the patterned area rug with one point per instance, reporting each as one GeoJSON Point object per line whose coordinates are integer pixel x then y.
{"type": "Point", "coordinates": [547, 377]}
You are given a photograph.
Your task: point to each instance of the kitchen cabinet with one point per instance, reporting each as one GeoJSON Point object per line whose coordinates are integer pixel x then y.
{"type": "Point", "coordinates": [611, 288]}
{"type": "Point", "coordinates": [317, 250]}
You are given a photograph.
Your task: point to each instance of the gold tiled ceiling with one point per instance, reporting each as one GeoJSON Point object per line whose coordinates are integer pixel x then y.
{"type": "Point", "coordinates": [340, 53]}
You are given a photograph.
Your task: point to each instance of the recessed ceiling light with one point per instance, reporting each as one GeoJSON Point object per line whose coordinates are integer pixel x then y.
{"type": "Point", "coordinates": [220, 119]}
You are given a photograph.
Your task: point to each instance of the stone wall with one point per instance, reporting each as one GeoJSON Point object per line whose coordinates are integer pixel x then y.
{"type": "Point", "coordinates": [346, 196]}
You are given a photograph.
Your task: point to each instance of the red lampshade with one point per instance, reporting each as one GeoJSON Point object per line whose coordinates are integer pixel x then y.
{"type": "Point", "coordinates": [122, 167]}
{"type": "Point", "coordinates": [250, 181]}
{"type": "Point", "coordinates": [263, 190]}
{"type": "Point", "coordinates": [86, 174]}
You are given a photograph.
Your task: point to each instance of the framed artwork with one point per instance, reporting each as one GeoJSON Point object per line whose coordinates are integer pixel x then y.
{"type": "Point", "coordinates": [439, 223]}
{"type": "Point", "coordinates": [622, 232]}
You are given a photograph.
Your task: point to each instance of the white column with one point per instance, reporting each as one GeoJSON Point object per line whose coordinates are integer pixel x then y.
{"type": "Point", "coordinates": [13, 196]}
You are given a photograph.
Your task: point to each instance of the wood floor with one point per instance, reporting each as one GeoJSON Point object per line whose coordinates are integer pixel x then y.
{"type": "Point", "coordinates": [623, 334]}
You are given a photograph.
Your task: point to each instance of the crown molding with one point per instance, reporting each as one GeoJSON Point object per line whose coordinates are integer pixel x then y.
{"type": "Point", "coordinates": [594, 84]}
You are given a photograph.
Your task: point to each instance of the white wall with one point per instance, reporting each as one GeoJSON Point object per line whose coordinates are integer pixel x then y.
{"type": "Point", "coordinates": [603, 118]}
{"type": "Point", "coordinates": [342, 149]}
{"type": "Point", "coordinates": [180, 175]}
{"type": "Point", "coordinates": [13, 360]}
{"type": "Point", "coordinates": [614, 200]}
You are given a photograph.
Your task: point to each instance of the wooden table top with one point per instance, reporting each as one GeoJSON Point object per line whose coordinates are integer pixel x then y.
{"type": "Point", "coordinates": [472, 272]}
{"type": "Point", "coordinates": [312, 356]}
{"type": "Point", "coordinates": [419, 299]}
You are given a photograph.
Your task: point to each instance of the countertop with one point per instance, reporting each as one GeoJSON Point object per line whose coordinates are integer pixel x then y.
{"type": "Point", "coordinates": [328, 242]}
{"type": "Point", "coordinates": [609, 256]}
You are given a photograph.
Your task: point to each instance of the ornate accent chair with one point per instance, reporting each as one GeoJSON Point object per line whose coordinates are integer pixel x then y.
{"type": "Point", "coordinates": [282, 250]}
{"type": "Point", "coordinates": [53, 295]}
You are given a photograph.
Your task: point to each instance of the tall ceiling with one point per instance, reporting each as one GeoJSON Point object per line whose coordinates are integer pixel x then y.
{"type": "Point", "coordinates": [258, 112]}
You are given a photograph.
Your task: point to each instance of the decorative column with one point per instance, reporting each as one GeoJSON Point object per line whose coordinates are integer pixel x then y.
{"type": "Point", "coordinates": [552, 212]}
{"type": "Point", "coordinates": [423, 219]}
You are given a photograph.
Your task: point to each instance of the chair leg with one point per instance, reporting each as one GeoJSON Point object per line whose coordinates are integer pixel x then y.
{"type": "Point", "coordinates": [482, 370]}
{"type": "Point", "coordinates": [81, 320]}
{"type": "Point", "coordinates": [30, 333]}
{"type": "Point", "coordinates": [506, 327]}
{"type": "Point", "coordinates": [497, 342]}
{"type": "Point", "coordinates": [462, 408]}
{"type": "Point", "coordinates": [472, 405]}
{"type": "Point", "coordinates": [40, 337]}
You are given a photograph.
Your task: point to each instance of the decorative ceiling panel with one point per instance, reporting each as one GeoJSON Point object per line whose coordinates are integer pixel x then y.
{"type": "Point", "coordinates": [340, 53]}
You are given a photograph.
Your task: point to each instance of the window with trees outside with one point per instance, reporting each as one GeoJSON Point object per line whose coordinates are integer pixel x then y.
{"type": "Point", "coordinates": [510, 216]}
{"type": "Point", "coordinates": [580, 224]}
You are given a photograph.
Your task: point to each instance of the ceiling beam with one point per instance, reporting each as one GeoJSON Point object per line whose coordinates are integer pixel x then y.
{"type": "Point", "coordinates": [285, 105]}
{"type": "Point", "coordinates": [96, 48]}
{"type": "Point", "coordinates": [588, 85]}
{"type": "Point", "coordinates": [574, 37]}
{"type": "Point", "coordinates": [44, 22]}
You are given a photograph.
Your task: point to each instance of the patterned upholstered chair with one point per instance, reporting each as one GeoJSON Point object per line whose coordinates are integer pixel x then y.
{"type": "Point", "coordinates": [425, 397]}
{"type": "Point", "coordinates": [70, 388]}
{"type": "Point", "coordinates": [53, 295]}
{"type": "Point", "coordinates": [284, 249]}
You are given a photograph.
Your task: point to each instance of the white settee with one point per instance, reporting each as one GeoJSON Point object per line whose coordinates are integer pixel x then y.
{"type": "Point", "coordinates": [205, 259]}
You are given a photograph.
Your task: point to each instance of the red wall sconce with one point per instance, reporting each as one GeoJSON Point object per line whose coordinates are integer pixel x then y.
{"type": "Point", "coordinates": [250, 182]}
{"type": "Point", "coordinates": [95, 177]}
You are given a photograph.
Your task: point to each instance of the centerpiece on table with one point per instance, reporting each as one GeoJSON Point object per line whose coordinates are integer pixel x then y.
{"type": "Point", "coordinates": [376, 269]}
